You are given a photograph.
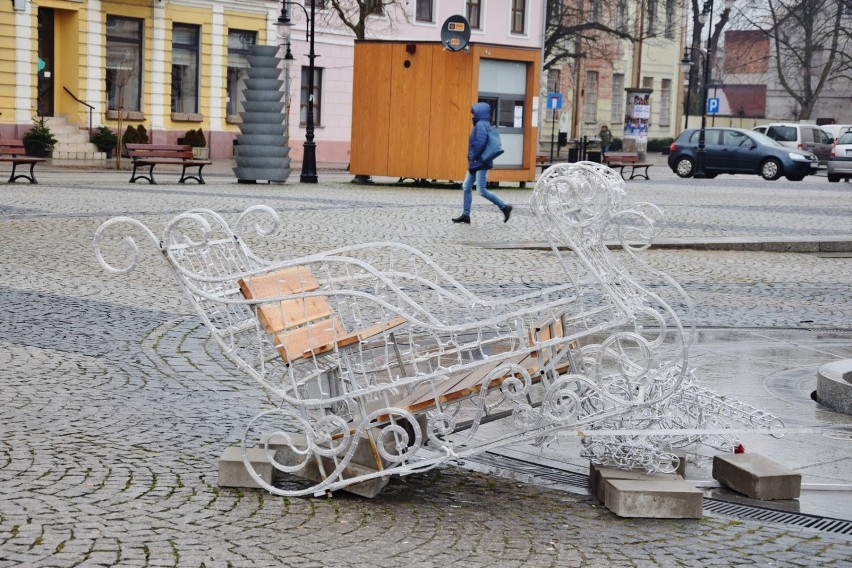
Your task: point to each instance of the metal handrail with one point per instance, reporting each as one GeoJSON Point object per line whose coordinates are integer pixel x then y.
{"type": "Point", "coordinates": [91, 108]}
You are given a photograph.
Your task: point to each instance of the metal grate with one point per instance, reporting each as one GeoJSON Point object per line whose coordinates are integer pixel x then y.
{"type": "Point", "coordinates": [536, 472]}
{"type": "Point", "coordinates": [754, 513]}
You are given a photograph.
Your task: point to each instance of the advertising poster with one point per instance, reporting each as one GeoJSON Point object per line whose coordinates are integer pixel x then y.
{"type": "Point", "coordinates": [637, 119]}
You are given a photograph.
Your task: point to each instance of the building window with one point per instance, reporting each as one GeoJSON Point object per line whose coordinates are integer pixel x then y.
{"type": "Point", "coordinates": [124, 63]}
{"type": "Point", "coordinates": [651, 16]}
{"type": "Point", "coordinates": [648, 83]}
{"type": "Point", "coordinates": [424, 11]}
{"type": "Point", "coordinates": [318, 4]}
{"type": "Point", "coordinates": [519, 16]}
{"type": "Point", "coordinates": [594, 11]}
{"type": "Point", "coordinates": [474, 14]}
{"type": "Point", "coordinates": [617, 113]}
{"type": "Point", "coordinates": [317, 94]}
{"type": "Point", "coordinates": [185, 68]}
{"type": "Point", "coordinates": [665, 102]}
{"type": "Point", "coordinates": [590, 112]}
{"type": "Point", "coordinates": [621, 16]}
{"type": "Point", "coordinates": [239, 42]}
{"type": "Point", "coordinates": [670, 19]}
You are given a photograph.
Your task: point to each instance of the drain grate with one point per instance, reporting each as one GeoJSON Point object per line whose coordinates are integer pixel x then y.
{"type": "Point", "coordinates": [537, 472]}
{"type": "Point", "coordinates": [755, 513]}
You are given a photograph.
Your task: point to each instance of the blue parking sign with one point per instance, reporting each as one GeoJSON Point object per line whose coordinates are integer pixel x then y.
{"type": "Point", "coordinates": [712, 105]}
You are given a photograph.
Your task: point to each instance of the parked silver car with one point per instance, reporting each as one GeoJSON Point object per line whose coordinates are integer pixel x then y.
{"type": "Point", "coordinates": [840, 162]}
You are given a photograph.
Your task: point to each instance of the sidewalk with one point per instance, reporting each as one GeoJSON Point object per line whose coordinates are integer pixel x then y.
{"type": "Point", "coordinates": [115, 405]}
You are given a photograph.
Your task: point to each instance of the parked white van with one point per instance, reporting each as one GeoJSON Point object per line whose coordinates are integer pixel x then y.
{"type": "Point", "coordinates": [801, 136]}
{"type": "Point", "coordinates": [835, 130]}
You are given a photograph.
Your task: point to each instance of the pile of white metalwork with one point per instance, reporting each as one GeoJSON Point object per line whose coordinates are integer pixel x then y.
{"type": "Point", "coordinates": [383, 364]}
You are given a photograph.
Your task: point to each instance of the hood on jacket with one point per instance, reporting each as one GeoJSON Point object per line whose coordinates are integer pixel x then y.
{"type": "Point", "coordinates": [481, 111]}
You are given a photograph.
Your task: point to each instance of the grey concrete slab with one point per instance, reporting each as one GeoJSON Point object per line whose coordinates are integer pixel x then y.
{"type": "Point", "coordinates": [757, 476]}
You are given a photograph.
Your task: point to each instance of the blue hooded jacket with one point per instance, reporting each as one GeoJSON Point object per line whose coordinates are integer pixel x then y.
{"type": "Point", "coordinates": [479, 137]}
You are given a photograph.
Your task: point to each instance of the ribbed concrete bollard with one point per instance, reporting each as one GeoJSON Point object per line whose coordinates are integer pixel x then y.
{"type": "Point", "coordinates": [757, 476]}
{"type": "Point", "coordinates": [834, 386]}
{"type": "Point", "coordinates": [262, 151]}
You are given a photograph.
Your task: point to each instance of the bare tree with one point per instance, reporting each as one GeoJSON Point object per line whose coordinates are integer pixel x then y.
{"type": "Point", "coordinates": [573, 27]}
{"type": "Point", "coordinates": [811, 45]}
{"type": "Point", "coordinates": [353, 14]}
{"type": "Point", "coordinates": [700, 44]}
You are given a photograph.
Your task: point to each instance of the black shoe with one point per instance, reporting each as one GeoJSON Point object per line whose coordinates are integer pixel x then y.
{"type": "Point", "coordinates": [462, 219]}
{"type": "Point", "coordinates": [507, 212]}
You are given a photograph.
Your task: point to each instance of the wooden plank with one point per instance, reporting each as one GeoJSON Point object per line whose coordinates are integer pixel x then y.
{"type": "Point", "coordinates": [287, 314]}
{"type": "Point", "coordinates": [371, 113]}
{"type": "Point", "coordinates": [293, 280]}
{"type": "Point", "coordinates": [312, 339]}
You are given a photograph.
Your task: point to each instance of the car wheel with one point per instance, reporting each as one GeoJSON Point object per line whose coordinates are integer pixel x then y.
{"type": "Point", "coordinates": [770, 169]}
{"type": "Point", "coordinates": [834, 179]}
{"type": "Point", "coordinates": [684, 167]}
{"type": "Point", "coordinates": [795, 177]}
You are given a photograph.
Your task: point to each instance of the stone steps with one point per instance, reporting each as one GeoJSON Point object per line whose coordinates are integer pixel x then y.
{"type": "Point", "coordinates": [73, 147]}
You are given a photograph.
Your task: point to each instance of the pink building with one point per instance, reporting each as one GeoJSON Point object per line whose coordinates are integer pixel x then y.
{"type": "Point", "coordinates": [502, 22]}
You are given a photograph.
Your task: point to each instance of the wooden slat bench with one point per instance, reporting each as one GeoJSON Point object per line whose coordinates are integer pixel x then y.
{"type": "Point", "coordinates": [621, 160]}
{"type": "Point", "coordinates": [304, 326]}
{"type": "Point", "coordinates": [13, 151]}
{"type": "Point", "coordinates": [150, 155]}
{"type": "Point", "coordinates": [542, 161]}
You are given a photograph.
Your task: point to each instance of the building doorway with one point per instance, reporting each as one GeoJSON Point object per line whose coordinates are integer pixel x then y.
{"type": "Point", "coordinates": [46, 55]}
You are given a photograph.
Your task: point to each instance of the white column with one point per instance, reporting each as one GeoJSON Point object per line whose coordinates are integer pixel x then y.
{"type": "Point", "coordinates": [95, 93]}
{"type": "Point", "coordinates": [25, 66]}
{"type": "Point", "coordinates": [217, 69]}
{"type": "Point", "coordinates": [157, 75]}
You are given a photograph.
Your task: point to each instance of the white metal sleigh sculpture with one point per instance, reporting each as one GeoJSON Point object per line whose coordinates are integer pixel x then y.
{"type": "Point", "coordinates": [384, 364]}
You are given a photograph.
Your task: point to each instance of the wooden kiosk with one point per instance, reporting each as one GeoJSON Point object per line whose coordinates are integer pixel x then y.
{"type": "Point", "coordinates": [411, 108]}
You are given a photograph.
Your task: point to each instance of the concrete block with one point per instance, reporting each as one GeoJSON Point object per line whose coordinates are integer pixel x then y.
{"type": "Point", "coordinates": [654, 498]}
{"type": "Point", "coordinates": [599, 476]}
{"type": "Point", "coordinates": [681, 465]}
{"type": "Point", "coordinates": [757, 476]}
{"type": "Point", "coordinates": [232, 469]}
{"type": "Point", "coordinates": [311, 471]}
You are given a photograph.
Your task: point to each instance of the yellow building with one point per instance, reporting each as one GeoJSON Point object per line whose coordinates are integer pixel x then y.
{"type": "Point", "coordinates": [170, 66]}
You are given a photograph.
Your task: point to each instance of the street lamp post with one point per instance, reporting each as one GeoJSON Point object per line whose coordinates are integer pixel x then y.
{"type": "Point", "coordinates": [686, 63]}
{"type": "Point", "coordinates": [309, 157]}
{"type": "Point", "coordinates": [701, 154]}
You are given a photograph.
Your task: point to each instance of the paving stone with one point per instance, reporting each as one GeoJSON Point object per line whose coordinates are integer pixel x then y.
{"type": "Point", "coordinates": [757, 476]}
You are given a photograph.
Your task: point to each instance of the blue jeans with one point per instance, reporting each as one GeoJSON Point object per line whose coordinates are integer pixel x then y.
{"type": "Point", "coordinates": [467, 186]}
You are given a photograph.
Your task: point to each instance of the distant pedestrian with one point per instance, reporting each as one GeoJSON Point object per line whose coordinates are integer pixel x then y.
{"type": "Point", "coordinates": [606, 138]}
{"type": "Point", "coordinates": [477, 169]}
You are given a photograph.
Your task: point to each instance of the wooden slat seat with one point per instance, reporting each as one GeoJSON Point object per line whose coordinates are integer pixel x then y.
{"type": "Point", "coordinates": [621, 160]}
{"type": "Point", "coordinates": [305, 325]}
{"type": "Point", "coordinates": [150, 155]}
{"type": "Point", "coordinates": [13, 151]}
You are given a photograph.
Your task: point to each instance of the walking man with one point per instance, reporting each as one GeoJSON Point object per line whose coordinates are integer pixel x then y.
{"type": "Point", "coordinates": [477, 169]}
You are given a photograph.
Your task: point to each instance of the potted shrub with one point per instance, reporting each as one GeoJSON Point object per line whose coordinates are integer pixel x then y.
{"type": "Point", "coordinates": [196, 139]}
{"type": "Point", "coordinates": [105, 140]}
{"type": "Point", "coordinates": [141, 134]}
{"type": "Point", "coordinates": [129, 137]}
{"type": "Point", "coordinates": [39, 140]}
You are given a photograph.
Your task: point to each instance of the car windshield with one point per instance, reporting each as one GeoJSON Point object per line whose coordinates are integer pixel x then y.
{"type": "Point", "coordinates": [764, 139]}
{"type": "Point", "coordinates": [845, 138]}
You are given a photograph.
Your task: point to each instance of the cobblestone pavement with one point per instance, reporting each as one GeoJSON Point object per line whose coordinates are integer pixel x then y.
{"type": "Point", "coordinates": [115, 406]}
